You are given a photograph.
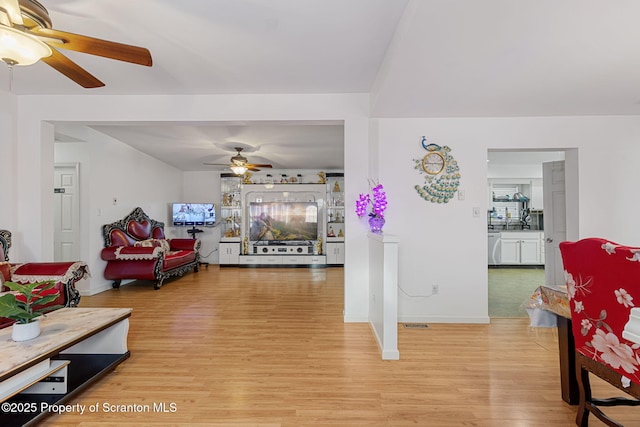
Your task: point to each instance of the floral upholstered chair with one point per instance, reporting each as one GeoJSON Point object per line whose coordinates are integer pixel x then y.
{"type": "Point", "coordinates": [603, 282]}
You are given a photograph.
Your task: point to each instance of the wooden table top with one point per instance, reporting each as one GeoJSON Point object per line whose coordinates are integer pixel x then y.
{"type": "Point", "coordinates": [61, 329]}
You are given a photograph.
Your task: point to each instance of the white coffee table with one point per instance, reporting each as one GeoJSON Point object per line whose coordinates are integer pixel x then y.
{"type": "Point", "coordinates": [77, 346]}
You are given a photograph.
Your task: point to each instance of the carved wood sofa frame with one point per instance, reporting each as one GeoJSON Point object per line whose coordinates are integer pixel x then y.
{"type": "Point", "coordinates": [65, 274]}
{"type": "Point", "coordinates": [127, 261]}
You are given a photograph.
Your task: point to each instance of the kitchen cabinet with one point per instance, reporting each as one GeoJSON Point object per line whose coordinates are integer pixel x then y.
{"type": "Point", "coordinates": [518, 248]}
{"type": "Point", "coordinates": [536, 194]}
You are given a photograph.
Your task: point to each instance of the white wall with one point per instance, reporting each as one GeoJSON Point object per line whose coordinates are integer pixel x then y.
{"type": "Point", "coordinates": [444, 244]}
{"type": "Point", "coordinates": [357, 169]}
{"type": "Point", "coordinates": [34, 146]}
{"type": "Point", "coordinates": [202, 187]}
{"type": "Point", "coordinates": [112, 170]}
{"type": "Point", "coordinates": [439, 244]}
{"type": "Point", "coordinates": [8, 212]}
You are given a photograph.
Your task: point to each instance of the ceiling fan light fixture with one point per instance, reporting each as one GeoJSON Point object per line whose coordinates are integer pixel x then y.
{"type": "Point", "coordinates": [238, 169]}
{"type": "Point", "coordinates": [18, 48]}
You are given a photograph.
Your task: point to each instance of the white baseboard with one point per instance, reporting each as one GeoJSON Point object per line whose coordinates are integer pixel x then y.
{"type": "Point", "coordinates": [444, 319]}
{"type": "Point", "coordinates": [356, 319]}
{"type": "Point", "coordinates": [427, 319]}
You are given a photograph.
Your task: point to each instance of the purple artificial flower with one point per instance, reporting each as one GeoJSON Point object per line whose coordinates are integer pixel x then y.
{"type": "Point", "coordinates": [361, 204]}
{"type": "Point", "coordinates": [378, 204]}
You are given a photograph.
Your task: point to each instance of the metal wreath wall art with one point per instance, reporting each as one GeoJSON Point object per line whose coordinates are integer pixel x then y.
{"type": "Point", "coordinates": [441, 173]}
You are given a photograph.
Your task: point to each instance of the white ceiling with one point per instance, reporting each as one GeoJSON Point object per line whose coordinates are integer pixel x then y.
{"type": "Point", "coordinates": [513, 58]}
{"type": "Point", "coordinates": [522, 157]}
{"type": "Point", "coordinates": [224, 46]}
{"type": "Point", "coordinates": [284, 145]}
{"type": "Point", "coordinates": [418, 58]}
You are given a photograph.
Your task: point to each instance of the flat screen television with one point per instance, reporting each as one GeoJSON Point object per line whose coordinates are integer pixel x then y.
{"type": "Point", "coordinates": [193, 214]}
{"type": "Point", "coordinates": [283, 221]}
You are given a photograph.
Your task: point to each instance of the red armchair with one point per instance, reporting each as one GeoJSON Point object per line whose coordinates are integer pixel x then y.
{"type": "Point", "coordinates": [65, 274]}
{"type": "Point", "coordinates": [603, 283]}
{"type": "Point", "coordinates": [136, 248]}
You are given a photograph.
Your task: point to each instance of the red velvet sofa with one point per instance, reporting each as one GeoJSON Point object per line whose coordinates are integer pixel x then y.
{"type": "Point", "coordinates": [136, 248]}
{"type": "Point", "coordinates": [65, 274]}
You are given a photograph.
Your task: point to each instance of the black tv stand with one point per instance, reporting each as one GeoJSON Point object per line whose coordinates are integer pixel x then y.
{"type": "Point", "coordinates": [193, 232]}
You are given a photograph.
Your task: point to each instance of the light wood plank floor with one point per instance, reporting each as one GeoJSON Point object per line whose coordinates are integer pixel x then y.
{"type": "Point", "coordinates": [268, 347]}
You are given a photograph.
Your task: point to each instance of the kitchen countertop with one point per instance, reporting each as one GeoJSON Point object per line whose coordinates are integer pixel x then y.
{"type": "Point", "coordinates": [513, 231]}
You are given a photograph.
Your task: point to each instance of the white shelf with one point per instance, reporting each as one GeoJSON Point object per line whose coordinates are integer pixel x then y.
{"type": "Point", "coordinates": [25, 379]}
{"type": "Point", "coordinates": [336, 211]}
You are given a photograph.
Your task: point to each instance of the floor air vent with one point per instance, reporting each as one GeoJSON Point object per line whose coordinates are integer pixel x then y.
{"type": "Point", "coordinates": [416, 325]}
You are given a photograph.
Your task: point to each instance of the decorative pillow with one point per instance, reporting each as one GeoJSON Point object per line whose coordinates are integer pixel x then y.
{"type": "Point", "coordinates": [163, 244]}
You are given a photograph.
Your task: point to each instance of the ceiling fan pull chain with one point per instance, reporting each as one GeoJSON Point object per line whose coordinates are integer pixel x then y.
{"type": "Point", "coordinates": [10, 78]}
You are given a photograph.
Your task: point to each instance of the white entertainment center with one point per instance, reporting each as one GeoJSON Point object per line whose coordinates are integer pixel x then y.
{"type": "Point", "coordinates": [268, 223]}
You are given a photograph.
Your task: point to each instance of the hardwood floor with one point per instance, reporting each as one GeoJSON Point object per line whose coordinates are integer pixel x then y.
{"type": "Point", "coordinates": [268, 347]}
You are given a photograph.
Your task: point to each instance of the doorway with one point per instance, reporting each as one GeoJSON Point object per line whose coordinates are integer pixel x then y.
{"type": "Point", "coordinates": [511, 283]}
{"type": "Point", "coordinates": [66, 215]}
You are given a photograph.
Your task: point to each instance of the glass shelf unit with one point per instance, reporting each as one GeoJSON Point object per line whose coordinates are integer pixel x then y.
{"type": "Point", "coordinates": [230, 207]}
{"type": "Point", "coordinates": [335, 207]}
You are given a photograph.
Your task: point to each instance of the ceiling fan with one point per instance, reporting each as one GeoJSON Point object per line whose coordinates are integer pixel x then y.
{"type": "Point", "coordinates": [239, 164]}
{"type": "Point", "coordinates": [26, 36]}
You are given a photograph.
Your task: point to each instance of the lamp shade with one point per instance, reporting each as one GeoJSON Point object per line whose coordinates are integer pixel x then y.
{"type": "Point", "coordinates": [19, 48]}
{"type": "Point", "coordinates": [238, 169]}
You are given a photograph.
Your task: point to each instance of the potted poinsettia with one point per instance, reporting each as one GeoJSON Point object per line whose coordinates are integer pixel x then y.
{"type": "Point", "coordinates": [19, 305]}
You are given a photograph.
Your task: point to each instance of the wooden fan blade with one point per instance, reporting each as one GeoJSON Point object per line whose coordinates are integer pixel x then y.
{"type": "Point", "coordinates": [93, 46]}
{"type": "Point", "coordinates": [72, 70]}
{"type": "Point", "coordinates": [12, 9]}
{"type": "Point", "coordinates": [253, 169]}
{"type": "Point", "coordinates": [258, 165]}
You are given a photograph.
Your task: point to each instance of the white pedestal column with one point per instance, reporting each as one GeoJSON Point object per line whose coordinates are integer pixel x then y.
{"type": "Point", "coordinates": [383, 292]}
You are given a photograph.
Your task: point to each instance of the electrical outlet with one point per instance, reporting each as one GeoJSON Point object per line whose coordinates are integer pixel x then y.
{"type": "Point", "coordinates": [435, 290]}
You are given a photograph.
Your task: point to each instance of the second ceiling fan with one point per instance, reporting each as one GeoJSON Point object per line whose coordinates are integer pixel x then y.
{"type": "Point", "coordinates": [239, 163]}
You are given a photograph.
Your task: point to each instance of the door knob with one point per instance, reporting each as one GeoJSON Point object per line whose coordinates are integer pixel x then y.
{"type": "Point", "coordinates": [549, 240]}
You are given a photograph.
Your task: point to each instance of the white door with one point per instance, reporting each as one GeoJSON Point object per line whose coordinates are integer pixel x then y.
{"type": "Point", "coordinates": [66, 213]}
{"type": "Point", "coordinates": [555, 220]}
